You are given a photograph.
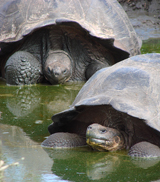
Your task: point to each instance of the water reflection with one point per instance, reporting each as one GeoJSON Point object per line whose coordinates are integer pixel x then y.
{"type": "Point", "coordinates": [36, 165]}
{"type": "Point", "coordinates": [101, 167]}
{"type": "Point", "coordinates": [23, 101]}
{"type": "Point", "coordinates": [145, 163]}
{"type": "Point", "coordinates": [80, 164]}
{"type": "Point", "coordinates": [31, 107]}
{"type": "Point", "coordinates": [89, 165]}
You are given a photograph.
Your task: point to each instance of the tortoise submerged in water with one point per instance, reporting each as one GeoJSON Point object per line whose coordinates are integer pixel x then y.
{"type": "Point", "coordinates": [119, 108]}
{"type": "Point", "coordinates": [62, 40]}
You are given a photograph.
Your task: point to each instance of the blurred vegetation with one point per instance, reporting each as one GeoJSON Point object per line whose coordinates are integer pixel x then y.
{"type": "Point", "coordinates": [150, 46]}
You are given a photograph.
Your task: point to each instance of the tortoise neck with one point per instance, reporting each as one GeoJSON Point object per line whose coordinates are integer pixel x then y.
{"type": "Point", "coordinates": [126, 140]}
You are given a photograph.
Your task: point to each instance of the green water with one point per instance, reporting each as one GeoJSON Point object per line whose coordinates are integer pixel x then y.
{"type": "Point", "coordinates": [25, 113]}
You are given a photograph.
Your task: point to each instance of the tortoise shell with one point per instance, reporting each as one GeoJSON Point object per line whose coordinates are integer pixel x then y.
{"type": "Point", "coordinates": [130, 87]}
{"type": "Point", "coordinates": [102, 19]}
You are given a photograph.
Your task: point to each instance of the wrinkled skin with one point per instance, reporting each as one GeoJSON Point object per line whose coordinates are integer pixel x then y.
{"type": "Point", "coordinates": [61, 57]}
{"type": "Point", "coordinates": [124, 98]}
{"type": "Point", "coordinates": [103, 138]}
{"type": "Point", "coordinates": [107, 129]}
{"type": "Point", "coordinates": [64, 140]}
{"type": "Point", "coordinates": [77, 28]}
{"type": "Point", "coordinates": [58, 67]}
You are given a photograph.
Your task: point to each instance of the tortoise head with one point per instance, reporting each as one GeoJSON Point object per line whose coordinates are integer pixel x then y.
{"type": "Point", "coordinates": [103, 138]}
{"type": "Point", "coordinates": [58, 67]}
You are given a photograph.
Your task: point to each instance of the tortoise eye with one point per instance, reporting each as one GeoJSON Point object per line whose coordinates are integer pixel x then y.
{"type": "Point", "coordinates": [103, 131]}
{"type": "Point", "coordinates": [65, 71]}
{"type": "Point", "coordinates": [49, 70]}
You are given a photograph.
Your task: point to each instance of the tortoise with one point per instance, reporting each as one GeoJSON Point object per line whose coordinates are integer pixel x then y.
{"type": "Point", "coordinates": [62, 40]}
{"type": "Point", "coordinates": [117, 108]}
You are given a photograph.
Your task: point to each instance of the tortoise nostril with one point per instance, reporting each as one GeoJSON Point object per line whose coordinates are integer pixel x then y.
{"type": "Point", "coordinates": [56, 73]}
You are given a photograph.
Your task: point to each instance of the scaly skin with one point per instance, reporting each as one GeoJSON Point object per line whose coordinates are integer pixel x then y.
{"type": "Point", "coordinates": [64, 54]}
{"type": "Point", "coordinates": [103, 138]}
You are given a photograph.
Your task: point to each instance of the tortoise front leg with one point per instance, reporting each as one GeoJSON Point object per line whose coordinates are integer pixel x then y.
{"type": "Point", "coordinates": [64, 140]}
{"type": "Point", "coordinates": [93, 67]}
{"type": "Point", "coordinates": [22, 68]}
{"type": "Point", "coordinates": [144, 149]}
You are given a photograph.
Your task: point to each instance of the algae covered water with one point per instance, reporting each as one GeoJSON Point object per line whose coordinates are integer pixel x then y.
{"type": "Point", "coordinates": [25, 113]}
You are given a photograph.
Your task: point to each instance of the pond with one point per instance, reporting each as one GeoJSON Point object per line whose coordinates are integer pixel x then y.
{"type": "Point", "coordinates": [25, 113]}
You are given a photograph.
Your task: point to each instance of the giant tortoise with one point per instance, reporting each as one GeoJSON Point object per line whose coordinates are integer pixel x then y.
{"type": "Point", "coordinates": [119, 107]}
{"type": "Point", "coordinates": [62, 40]}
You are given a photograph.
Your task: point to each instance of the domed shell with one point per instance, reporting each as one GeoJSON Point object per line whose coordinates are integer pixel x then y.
{"type": "Point", "coordinates": [131, 86]}
{"type": "Point", "coordinates": [101, 18]}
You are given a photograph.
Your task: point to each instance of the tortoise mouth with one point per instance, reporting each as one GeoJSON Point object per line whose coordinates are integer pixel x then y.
{"type": "Point", "coordinates": [100, 144]}
{"type": "Point", "coordinates": [53, 80]}
{"type": "Point", "coordinates": [99, 141]}
{"type": "Point", "coordinates": [63, 80]}
{"type": "Point", "coordinates": [103, 144]}
{"type": "Point", "coordinates": [66, 79]}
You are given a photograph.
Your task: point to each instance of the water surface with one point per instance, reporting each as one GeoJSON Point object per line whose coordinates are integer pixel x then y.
{"type": "Point", "coordinates": [25, 113]}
